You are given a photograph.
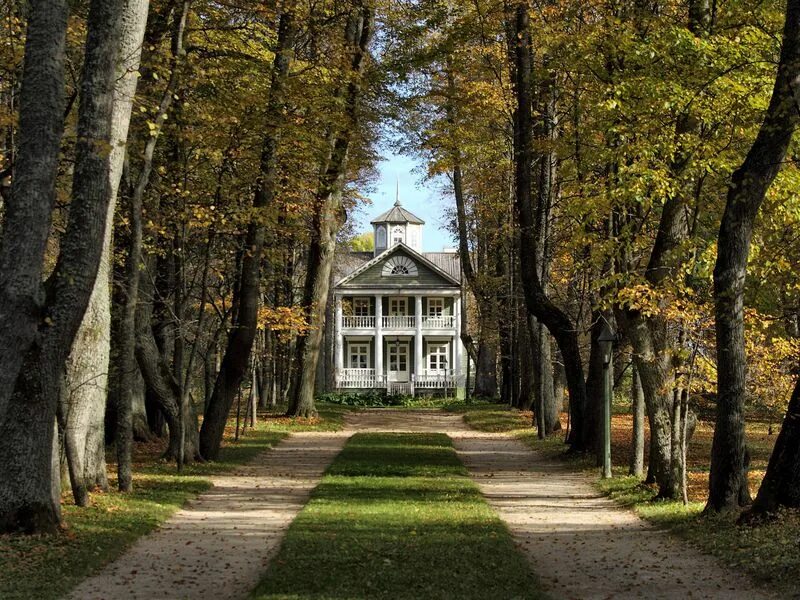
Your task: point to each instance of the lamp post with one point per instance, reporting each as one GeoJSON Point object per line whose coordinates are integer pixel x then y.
{"type": "Point", "coordinates": [606, 341]}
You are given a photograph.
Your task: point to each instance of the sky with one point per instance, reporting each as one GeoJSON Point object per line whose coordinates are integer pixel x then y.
{"type": "Point", "coordinates": [427, 202]}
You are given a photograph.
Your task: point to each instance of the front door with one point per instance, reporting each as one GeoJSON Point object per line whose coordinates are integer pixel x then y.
{"type": "Point", "coordinates": [398, 361]}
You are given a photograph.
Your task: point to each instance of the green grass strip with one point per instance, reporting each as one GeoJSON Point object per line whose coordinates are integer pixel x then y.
{"type": "Point", "coordinates": [397, 517]}
{"type": "Point", "coordinates": [46, 567]}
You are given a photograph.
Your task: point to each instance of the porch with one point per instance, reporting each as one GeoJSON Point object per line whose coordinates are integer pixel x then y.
{"type": "Point", "coordinates": [369, 378]}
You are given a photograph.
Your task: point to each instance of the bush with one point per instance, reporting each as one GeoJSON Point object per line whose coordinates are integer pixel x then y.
{"type": "Point", "coordinates": [368, 399]}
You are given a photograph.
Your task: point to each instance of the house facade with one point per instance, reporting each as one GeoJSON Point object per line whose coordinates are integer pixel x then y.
{"type": "Point", "coordinates": [397, 313]}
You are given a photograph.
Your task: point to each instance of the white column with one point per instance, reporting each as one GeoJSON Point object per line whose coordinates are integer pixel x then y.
{"type": "Point", "coordinates": [418, 337]}
{"type": "Point", "coordinates": [457, 339]}
{"type": "Point", "coordinates": [339, 351]}
{"type": "Point", "coordinates": [378, 339]}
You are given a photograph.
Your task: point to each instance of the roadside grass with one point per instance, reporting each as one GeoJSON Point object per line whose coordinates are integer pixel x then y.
{"type": "Point", "coordinates": [45, 567]}
{"type": "Point", "coordinates": [396, 517]}
{"type": "Point", "coordinates": [768, 552]}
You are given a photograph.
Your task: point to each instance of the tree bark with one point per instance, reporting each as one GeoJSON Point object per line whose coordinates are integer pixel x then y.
{"type": "Point", "coordinates": [85, 388]}
{"type": "Point", "coordinates": [781, 484]}
{"type": "Point", "coordinates": [749, 185]}
{"type": "Point", "coordinates": [636, 465]}
{"type": "Point", "coordinates": [28, 209]}
{"type": "Point", "coordinates": [29, 477]}
{"type": "Point", "coordinates": [235, 360]}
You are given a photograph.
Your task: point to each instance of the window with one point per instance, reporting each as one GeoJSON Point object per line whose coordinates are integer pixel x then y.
{"type": "Point", "coordinates": [380, 237]}
{"type": "Point", "coordinates": [397, 307]}
{"type": "Point", "coordinates": [359, 355]}
{"type": "Point", "coordinates": [361, 307]}
{"type": "Point", "coordinates": [435, 307]}
{"type": "Point", "coordinates": [399, 266]}
{"type": "Point", "coordinates": [437, 356]}
{"type": "Point", "coordinates": [397, 236]}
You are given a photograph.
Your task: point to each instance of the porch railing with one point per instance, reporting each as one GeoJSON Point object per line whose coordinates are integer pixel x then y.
{"type": "Point", "coordinates": [441, 379]}
{"type": "Point", "coordinates": [354, 322]}
{"type": "Point", "coordinates": [440, 322]}
{"type": "Point", "coordinates": [356, 378]}
{"type": "Point", "coordinates": [398, 322]}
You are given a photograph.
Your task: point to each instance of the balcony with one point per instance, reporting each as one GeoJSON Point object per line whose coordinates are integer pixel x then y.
{"type": "Point", "coordinates": [353, 322]}
{"type": "Point", "coordinates": [398, 322]}
{"type": "Point", "coordinates": [439, 322]}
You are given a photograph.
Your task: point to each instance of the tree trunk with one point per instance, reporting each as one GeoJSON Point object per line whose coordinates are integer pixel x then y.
{"type": "Point", "coordinates": [29, 476]}
{"type": "Point", "coordinates": [27, 212]}
{"type": "Point", "coordinates": [749, 185]}
{"type": "Point", "coordinates": [328, 218]}
{"type": "Point", "coordinates": [636, 465]}
{"type": "Point", "coordinates": [531, 218]}
{"type": "Point", "coordinates": [781, 484]}
{"type": "Point", "coordinates": [236, 358]}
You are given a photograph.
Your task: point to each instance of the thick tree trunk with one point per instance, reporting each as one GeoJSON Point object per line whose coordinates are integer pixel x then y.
{"type": "Point", "coordinates": [781, 484]}
{"type": "Point", "coordinates": [29, 477]}
{"type": "Point", "coordinates": [85, 389]}
{"type": "Point", "coordinates": [328, 218]}
{"type": "Point", "coordinates": [486, 366]}
{"type": "Point", "coordinates": [531, 217]}
{"type": "Point", "coordinates": [27, 212]}
{"type": "Point", "coordinates": [749, 185]}
{"type": "Point", "coordinates": [236, 357]}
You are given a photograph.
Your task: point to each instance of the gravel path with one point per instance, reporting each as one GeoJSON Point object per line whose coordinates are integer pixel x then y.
{"type": "Point", "coordinates": [580, 544]}
{"type": "Point", "coordinates": [218, 546]}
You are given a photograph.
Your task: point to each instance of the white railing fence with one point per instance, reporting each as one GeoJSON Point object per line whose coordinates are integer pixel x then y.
{"type": "Point", "coordinates": [441, 379]}
{"type": "Point", "coordinates": [440, 322]}
{"type": "Point", "coordinates": [356, 378]}
{"type": "Point", "coordinates": [398, 322]}
{"type": "Point", "coordinates": [358, 322]}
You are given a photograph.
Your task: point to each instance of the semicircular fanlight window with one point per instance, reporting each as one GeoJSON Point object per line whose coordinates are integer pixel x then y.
{"type": "Point", "coordinates": [399, 266]}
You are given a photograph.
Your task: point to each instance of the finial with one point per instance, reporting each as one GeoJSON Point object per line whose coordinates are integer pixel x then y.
{"type": "Point", "coordinates": [397, 193]}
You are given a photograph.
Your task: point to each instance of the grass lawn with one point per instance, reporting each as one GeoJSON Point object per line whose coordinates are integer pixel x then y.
{"type": "Point", "coordinates": [397, 517]}
{"type": "Point", "coordinates": [45, 567]}
{"type": "Point", "coordinates": [768, 552]}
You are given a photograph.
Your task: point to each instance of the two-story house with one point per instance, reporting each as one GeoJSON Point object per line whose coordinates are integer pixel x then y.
{"type": "Point", "coordinates": [397, 313]}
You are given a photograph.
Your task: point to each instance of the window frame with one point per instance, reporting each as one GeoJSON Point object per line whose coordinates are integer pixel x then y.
{"type": "Point", "coordinates": [438, 356]}
{"type": "Point", "coordinates": [358, 350]}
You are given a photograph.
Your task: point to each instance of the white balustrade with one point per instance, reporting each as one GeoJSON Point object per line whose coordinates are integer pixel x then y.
{"type": "Point", "coordinates": [358, 322]}
{"type": "Point", "coordinates": [398, 322]}
{"type": "Point", "coordinates": [438, 379]}
{"type": "Point", "coordinates": [439, 322]}
{"type": "Point", "coordinates": [356, 378]}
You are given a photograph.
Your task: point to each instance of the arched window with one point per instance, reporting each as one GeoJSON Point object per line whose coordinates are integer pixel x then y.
{"type": "Point", "coordinates": [397, 236]}
{"type": "Point", "coordinates": [399, 266]}
{"type": "Point", "coordinates": [380, 237]}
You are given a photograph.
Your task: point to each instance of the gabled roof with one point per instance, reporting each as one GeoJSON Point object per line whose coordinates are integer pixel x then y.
{"type": "Point", "coordinates": [383, 256]}
{"type": "Point", "coordinates": [398, 214]}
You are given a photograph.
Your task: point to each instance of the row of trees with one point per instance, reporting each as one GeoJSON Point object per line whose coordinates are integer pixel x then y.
{"type": "Point", "coordinates": [622, 163]}
{"type": "Point", "coordinates": [178, 172]}
{"type": "Point", "coordinates": [175, 176]}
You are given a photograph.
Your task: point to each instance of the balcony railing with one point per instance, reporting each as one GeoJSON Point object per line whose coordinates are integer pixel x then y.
{"type": "Point", "coordinates": [398, 322]}
{"type": "Point", "coordinates": [439, 322]}
{"type": "Point", "coordinates": [354, 322]}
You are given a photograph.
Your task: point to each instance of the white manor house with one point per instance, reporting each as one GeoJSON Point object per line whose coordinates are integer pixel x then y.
{"type": "Point", "coordinates": [397, 313]}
